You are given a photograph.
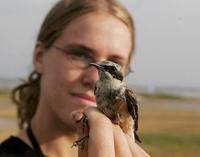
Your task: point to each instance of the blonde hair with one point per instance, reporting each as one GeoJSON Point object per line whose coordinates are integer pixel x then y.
{"type": "Point", "coordinates": [26, 95]}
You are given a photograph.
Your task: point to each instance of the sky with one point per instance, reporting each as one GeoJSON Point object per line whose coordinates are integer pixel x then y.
{"type": "Point", "coordinates": [167, 40]}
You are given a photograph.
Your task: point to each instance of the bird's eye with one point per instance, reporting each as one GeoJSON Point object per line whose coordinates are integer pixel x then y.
{"type": "Point", "coordinates": [113, 69]}
{"type": "Point", "coordinates": [106, 68]}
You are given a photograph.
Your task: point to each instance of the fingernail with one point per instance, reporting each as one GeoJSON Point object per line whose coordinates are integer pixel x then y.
{"type": "Point", "coordinates": [76, 115]}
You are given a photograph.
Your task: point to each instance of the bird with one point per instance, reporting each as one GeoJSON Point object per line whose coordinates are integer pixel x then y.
{"type": "Point", "coordinates": [115, 99]}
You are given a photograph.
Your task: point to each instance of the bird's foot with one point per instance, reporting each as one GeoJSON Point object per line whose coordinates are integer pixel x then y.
{"type": "Point", "coordinates": [82, 141]}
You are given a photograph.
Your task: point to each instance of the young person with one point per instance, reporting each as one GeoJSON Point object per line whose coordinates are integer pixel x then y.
{"type": "Point", "coordinates": [61, 87]}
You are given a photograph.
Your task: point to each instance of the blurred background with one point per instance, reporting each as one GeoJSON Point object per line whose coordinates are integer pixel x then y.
{"type": "Point", "coordinates": [166, 68]}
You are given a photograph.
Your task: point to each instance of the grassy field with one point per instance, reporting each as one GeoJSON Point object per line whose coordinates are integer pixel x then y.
{"type": "Point", "coordinates": [168, 126]}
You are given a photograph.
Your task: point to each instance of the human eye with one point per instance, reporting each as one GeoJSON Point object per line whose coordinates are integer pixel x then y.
{"type": "Point", "coordinates": [83, 56]}
{"type": "Point", "coordinates": [120, 63]}
{"type": "Point", "coordinates": [78, 55]}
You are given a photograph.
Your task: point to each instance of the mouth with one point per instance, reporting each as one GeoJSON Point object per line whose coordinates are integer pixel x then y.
{"type": "Point", "coordinates": [85, 99]}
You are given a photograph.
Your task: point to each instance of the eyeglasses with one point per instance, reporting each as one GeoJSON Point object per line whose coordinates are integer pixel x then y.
{"type": "Point", "coordinates": [80, 57]}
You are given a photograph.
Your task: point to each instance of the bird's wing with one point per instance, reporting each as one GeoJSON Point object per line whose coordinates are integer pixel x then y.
{"type": "Point", "coordinates": [132, 104]}
{"type": "Point", "coordinates": [133, 109]}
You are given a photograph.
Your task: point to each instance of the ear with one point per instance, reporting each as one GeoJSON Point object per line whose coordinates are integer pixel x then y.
{"type": "Point", "coordinates": [37, 57]}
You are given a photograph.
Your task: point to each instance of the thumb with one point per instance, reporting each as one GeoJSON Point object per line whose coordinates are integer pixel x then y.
{"type": "Point", "coordinates": [81, 125]}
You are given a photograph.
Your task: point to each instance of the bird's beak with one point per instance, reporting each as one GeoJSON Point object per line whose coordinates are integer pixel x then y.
{"type": "Point", "coordinates": [96, 65]}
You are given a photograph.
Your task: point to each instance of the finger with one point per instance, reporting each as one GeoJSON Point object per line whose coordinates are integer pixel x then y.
{"type": "Point", "coordinates": [121, 145]}
{"type": "Point", "coordinates": [82, 131]}
{"type": "Point", "coordinates": [136, 150]}
{"type": "Point", "coordinates": [101, 141]}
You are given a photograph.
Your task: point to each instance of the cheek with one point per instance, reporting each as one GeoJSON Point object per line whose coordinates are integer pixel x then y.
{"type": "Point", "coordinates": [62, 79]}
{"type": "Point", "coordinates": [58, 71]}
{"type": "Point", "coordinates": [57, 83]}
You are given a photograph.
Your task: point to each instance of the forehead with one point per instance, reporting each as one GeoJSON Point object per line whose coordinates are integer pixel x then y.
{"type": "Point", "coordinates": [99, 31]}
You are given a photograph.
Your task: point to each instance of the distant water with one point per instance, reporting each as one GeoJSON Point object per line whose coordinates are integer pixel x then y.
{"type": "Point", "coordinates": [173, 91]}
{"type": "Point", "coordinates": [184, 106]}
{"type": "Point", "coordinates": [9, 83]}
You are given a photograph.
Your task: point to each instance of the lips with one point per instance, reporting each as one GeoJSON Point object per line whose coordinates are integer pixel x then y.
{"type": "Point", "coordinates": [85, 98]}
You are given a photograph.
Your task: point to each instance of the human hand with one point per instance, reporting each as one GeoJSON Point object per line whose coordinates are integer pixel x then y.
{"type": "Point", "coordinates": [105, 138]}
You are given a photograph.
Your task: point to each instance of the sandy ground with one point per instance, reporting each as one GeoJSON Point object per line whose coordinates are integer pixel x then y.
{"type": "Point", "coordinates": [8, 122]}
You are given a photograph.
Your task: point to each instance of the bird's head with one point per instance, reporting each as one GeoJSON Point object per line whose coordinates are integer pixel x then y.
{"type": "Point", "coordinates": [108, 70]}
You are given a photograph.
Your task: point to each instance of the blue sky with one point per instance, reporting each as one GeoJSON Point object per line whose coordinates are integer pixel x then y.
{"type": "Point", "coordinates": [168, 39]}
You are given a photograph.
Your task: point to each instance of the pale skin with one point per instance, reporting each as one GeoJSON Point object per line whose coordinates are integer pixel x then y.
{"type": "Point", "coordinates": [67, 92]}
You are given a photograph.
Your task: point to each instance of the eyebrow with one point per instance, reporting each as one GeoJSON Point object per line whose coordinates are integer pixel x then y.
{"type": "Point", "coordinates": [79, 47]}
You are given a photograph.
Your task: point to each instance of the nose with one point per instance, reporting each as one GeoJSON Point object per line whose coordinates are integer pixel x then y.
{"type": "Point", "coordinates": [90, 77]}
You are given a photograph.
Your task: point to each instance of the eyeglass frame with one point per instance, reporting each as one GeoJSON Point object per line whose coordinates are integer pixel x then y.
{"type": "Point", "coordinates": [127, 71]}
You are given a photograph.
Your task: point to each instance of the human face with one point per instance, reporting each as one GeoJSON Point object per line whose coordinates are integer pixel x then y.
{"type": "Point", "coordinates": [66, 88]}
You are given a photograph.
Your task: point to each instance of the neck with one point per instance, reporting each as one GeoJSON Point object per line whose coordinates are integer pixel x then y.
{"type": "Point", "coordinates": [54, 138]}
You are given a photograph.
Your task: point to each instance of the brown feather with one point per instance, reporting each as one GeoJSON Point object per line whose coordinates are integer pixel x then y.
{"type": "Point", "coordinates": [133, 110]}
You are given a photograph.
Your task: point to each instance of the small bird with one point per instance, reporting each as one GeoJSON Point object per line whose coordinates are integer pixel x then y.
{"type": "Point", "coordinates": [115, 99]}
